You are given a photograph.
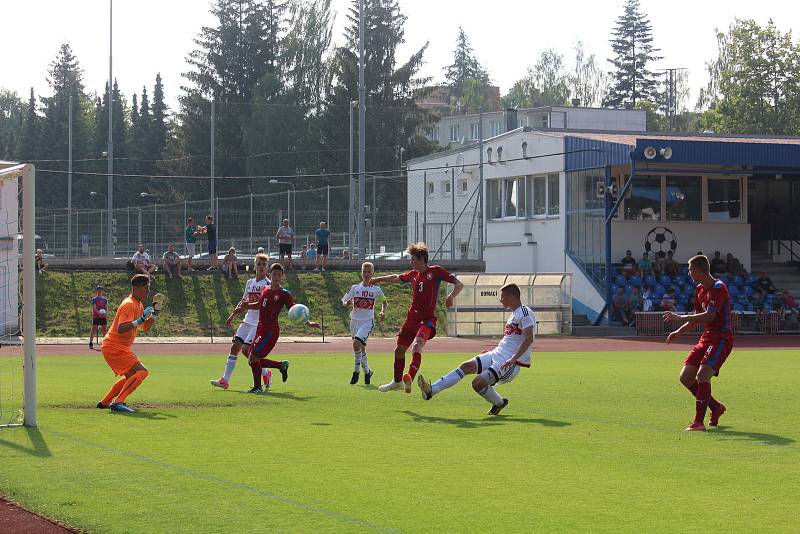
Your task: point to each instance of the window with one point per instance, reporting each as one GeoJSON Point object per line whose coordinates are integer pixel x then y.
{"type": "Point", "coordinates": [644, 203]}
{"type": "Point", "coordinates": [495, 195]}
{"type": "Point", "coordinates": [455, 133]}
{"type": "Point", "coordinates": [430, 188]}
{"type": "Point", "coordinates": [724, 199]}
{"type": "Point", "coordinates": [496, 128]}
{"type": "Point", "coordinates": [510, 200]}
{"type": "Point", "coordinates": [553, 201]}
{"type": "Point", "coordinates": [684, 196]}
{"type": "Point", "coordinates": [537, 196]}
{"type": "Point", "coordinates": [435, 133]}
{"type": "Point", "coordinates": [462, 187]}
{"type": "Point", "coordinates": [544, 121]}
{"type": "Point", "coordinates": [446, 188]}
{"type": "Point", "coordinates": [473, 131]}
{"type": "Point", "coordinates": [506, 198]}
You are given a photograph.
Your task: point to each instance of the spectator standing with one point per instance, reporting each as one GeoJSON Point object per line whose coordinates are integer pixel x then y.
{"type": "Point", "coordinates": [171, 262]}
{"type": "Point", "coordinates": [645, 265]}
{"type": "Point", "coordinates": [230, 264]}
{"type": "Point", "coordinates": [304, 256]}
{"type": "Point", "coordinates": [322, 234]}
{"type": "Point", "coordinates": [718, 265]}
{"type": "Point", "coordinates": [210, 230]}
{"type": "Point", "coordinates": [285, 237]}
{"type": "Point", "coordinates": [628, 264]}
{"type": "Point", "coordinates": [671, 267]}
{"type": "Point", "coordinates": [99, 314]}
{"type": "Point", "coordinates": [41, 265]}
{"type": "Point", "coordinates": [191, 238]}
{"type": "Point", "coordinates": [142, 264]}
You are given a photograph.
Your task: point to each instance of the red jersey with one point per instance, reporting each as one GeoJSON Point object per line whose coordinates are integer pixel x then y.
{"type": "Point", "coordinates": [425, 290]}
{"type": "Point", "coordinates": [270, 305]}
{"type": "Point", "coordinates": [714, 298]}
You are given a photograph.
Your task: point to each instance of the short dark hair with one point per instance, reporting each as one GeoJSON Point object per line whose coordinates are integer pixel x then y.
{"type": "Point", "coordinates": [511, 289]}
{"type": "Point", "coordinates": [276, 267]}
{"type": "Point", "coordinates": [418, 250]}
{"type": "Point", "coordinates": [189, 220]}
{"type": "Point", "coordinates": [139, 280]}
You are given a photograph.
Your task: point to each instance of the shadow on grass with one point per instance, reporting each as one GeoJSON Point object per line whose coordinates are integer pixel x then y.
{"type": "Point", "coordinates": [484, 421]}
{"type": "Point", "coordinates": [38, 446]}
{"type": "Point", "coordinates": [143, 414]}
{"type": "Point", "coordinates": [758, 437]}
{"type": "Point", "coordinates": [271, 393]}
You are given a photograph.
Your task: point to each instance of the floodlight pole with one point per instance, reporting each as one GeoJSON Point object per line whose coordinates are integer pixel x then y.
{"type": "Point", "coordinates": [69, 185]}
{"type": "Point", "coordinates": [212, 159]}
{"type": "Point", "coordinates": [362, 190]}
{"type": "Point", "coordinates": [352, 199]}
{"type": "Point", "coordinates": [110, 196]}
{"type": "Point", "coordinates": [481, 224]}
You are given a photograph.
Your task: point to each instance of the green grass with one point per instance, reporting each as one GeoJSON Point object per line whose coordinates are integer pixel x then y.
{"type": "Point", "coordinates": [196, 302]}
{"type": "Point", "coordinates": [590, 442]}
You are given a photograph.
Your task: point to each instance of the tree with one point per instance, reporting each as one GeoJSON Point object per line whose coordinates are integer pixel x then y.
{"type": "Point", "coordinates": [29, 139]}
{"type": "Point", "coordinates": [160, 131]}
{"type": "Point", "coordinates": [546, 84]}
{"type": "Point", "coordinates": [465, 67]}
{"type": "Point", "coordinates": [588, 83]}
{"type": "Point", "coordinates": [12, 116]}
{"type": "Point", "coordinates": [633, 48]}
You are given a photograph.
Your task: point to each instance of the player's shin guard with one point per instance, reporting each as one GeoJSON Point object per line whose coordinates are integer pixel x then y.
{"type": "Point", "coordinates": [491, 395]}
{"type": "Point", "coordinates": [712, 402]}
{"type": "Point", "coordinates": [364, 362]}
{"type": "Point", "coordinates": [357, 358]}
{"type": "Point", "coordinates": [416, 362]}
{"type": "Point", "coordinates": [399, 366]}
{"type": "Point", "coordinates": [701, 402]}
{"type": "Point", "coordinates": [114, 391]}
{"type": "Point", "coordinates": [229, 366]}
{"type": "Point", "coordinates": [133, 382]}
{"type": "Point", "coordinates": [447, 381]}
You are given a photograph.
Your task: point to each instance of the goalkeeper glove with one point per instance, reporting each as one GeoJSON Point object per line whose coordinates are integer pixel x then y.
{"type": "Point", "coordinates": [148, 311]}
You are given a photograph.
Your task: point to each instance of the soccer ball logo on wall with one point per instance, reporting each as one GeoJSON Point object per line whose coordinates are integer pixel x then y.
{"type": "Point", "coordinates": [659, 241]}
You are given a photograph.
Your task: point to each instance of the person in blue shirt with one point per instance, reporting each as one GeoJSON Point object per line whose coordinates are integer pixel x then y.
{"type": "Point", "coordinates": [322, 234]}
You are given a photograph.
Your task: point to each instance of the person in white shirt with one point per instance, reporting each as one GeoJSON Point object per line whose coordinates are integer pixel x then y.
{"type": "Point", "coordinates": [247, 330]}
{"type": "Point", "coordinates": [498, 366]}
{"type": "Point", "coordinates": [363, 297]}
{"type": "Point", "coordinates": [142, 264]}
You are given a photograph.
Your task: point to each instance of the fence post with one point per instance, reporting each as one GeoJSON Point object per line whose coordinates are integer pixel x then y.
{"type": "Point", "coordinates": [139, 227]}
{"type": "Point", "coordinates": [453, 213]}
{"type": "Point", "coordinates": [416, 226]}
{"type": "Point", "coordinates": [251, 221]}
{"type": "Point", "coordinates": [425, 207]}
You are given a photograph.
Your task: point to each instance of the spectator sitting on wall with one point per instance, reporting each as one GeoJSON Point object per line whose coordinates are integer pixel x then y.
{"type": "Point", "coordinates": [735, 267]}
{"type": "Point", "coordinates": [142, 264]}
{"type": "Point", "coordinates": [645, 265]}
{"type": "Point", "coordinates": [621, 307]}
{"type": "Point", "coordinates": [764, 283]}
{"type": "Point", "coordinates": [671, 267]}
{"type": "Point", "coordinates": [345, 254]}
{"type": "Point", "coordinates": [628, 264]}
{"type": "Point", "coordinates": [718, 265]}
{"type": "Point", "coordinates": [303, 256]}
{"type": "Point", "coordinates": [230, 264]}
{"type": "Point", "coordinates": [171, 261]}
{"type": "Point", "coordinates": [41, 265]}
{"type": "Point", "coordinates": [668, 300]}
{"type": "Point", "coordinates": [311, 253]}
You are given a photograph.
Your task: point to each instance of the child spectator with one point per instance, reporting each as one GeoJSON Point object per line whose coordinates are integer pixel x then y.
{"type": "Point", "coordinates": [230, 264]}
{"type": "Point", "coordinates": [41, 265]}
{"type": "Point", "coordinates": [647, 300]}
{"type": "Point", "coordinates": [99, 314]}
{"type": "Point", "coordinates": [668, 300]}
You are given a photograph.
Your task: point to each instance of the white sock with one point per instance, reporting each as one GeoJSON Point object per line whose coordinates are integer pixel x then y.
{"type": "Point", "coordinates": [447, 381]}
{"type": "Point", "coordinates": [264, 371]}
{"type": "Point", "coordinates": [357, 358]}
{"type": "Point", "coordinates": [364, 362]}
{"type": "Point", "coordinates": [491, 395]}
{"type": "Point", "coordinates": [229, 365]}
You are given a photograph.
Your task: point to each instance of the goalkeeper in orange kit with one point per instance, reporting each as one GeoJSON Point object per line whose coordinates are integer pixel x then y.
{"type": "Point", "coordinates": [118, 343]}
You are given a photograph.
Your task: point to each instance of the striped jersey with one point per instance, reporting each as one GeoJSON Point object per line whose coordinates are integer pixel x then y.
{"type": "Point", "coordinates": [252, 290]}
{"type": "Point", "coordinates": [520, 319]}
{"type": "Point", "coordinates": [364, 300]}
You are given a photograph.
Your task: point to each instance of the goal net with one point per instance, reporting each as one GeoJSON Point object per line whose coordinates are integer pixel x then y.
{"type": "Point", "coordinates": [17, 294]}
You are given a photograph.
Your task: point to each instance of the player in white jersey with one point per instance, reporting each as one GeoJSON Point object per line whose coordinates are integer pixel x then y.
{"type": "Point", "coordinates": [246, 331]}
{"type": "Point", "coordinates": [363, 298]}
{"type": "Point", "coordinates": [498, 366]}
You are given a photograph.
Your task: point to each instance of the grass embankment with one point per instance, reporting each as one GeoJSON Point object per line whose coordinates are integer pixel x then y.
{"type": "Point", "coordinates": [199, 303]}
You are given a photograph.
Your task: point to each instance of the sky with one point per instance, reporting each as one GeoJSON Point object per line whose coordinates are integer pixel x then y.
{"type": "Point", "coordinates": [508, 36]}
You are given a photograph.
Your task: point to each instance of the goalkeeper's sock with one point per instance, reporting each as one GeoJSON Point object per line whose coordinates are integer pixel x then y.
{"type": "Point", "coordinates": [114, 391]}
{"type": "Point", "coordinates": [133, 382]}
{"type": "Point", "coordinates": [229, 365]}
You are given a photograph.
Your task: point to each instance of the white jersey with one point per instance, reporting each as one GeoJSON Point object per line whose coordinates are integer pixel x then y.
{"type": "Point", "coordinates": [520, 319]}
{"type": "Point", "coordinates": [252, 290]}
{"type": "Point", "coordinates": [364, 299]}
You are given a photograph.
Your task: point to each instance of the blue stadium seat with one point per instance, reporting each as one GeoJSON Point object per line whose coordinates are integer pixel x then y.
{"type": "Point", "coordinates": [747, 291]}
{"type": "Point", "coordinates": [749, 306]}
{"type": "Point", "coordinates": [660, 291]}
{"type": "Point", "coordinates": [688, 290]}
{"type": "Point", "coordinates": [738, 281]}
{"type": "Point", "coordinates": [738, 307]}
{"type": "Point", "coordinates": [733, 291]}
{"type": "Point", "coordinates": [620, 280]}
{"type": "Point", "coordinates": [636, 280]}
{"type": "Point", "coordinates": [665, 280]}
{"type": "Point", "coordinates": [650, 280]}
{"type": "Point", "coordinates": [750, 280]}
{"type": "Point", "coordinates": [628, 289]}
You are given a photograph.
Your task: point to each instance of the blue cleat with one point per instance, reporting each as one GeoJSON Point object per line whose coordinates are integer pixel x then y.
{"type": "Point", "coordinates": [121, 407]}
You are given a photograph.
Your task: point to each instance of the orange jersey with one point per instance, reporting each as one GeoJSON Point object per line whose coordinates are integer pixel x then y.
{"type": "Point", "coordinates": [128, 311]}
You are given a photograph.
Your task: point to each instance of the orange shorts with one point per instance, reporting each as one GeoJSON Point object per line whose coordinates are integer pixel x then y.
{"type": "Point", "coordinates": [120, 361]}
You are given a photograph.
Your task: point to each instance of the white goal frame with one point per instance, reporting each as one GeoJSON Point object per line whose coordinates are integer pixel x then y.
{"type": "Point", "coordinates": [26, 175]}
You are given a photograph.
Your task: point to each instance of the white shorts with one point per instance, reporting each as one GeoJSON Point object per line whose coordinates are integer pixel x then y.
{"type": "Point", "coordinates": [489, 364]}
{"type": "Point", "coordinates": [361, 328]}
{"type": "Point", "coordinates": [245, 333]}
{"type": "Point", "coordinates": [190, 249]}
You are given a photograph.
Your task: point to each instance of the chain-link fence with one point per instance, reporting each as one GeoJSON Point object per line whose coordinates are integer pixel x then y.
{"type": "Point", "coordinates": [251, 221]}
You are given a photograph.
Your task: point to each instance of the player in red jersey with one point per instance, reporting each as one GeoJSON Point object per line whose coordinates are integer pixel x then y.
{"type": "Point", "coordinates": [420, 323]}
{"type": "Point", "coordinates": [272, 300]}
{"type": "Point", "coordinates": [713, 309]}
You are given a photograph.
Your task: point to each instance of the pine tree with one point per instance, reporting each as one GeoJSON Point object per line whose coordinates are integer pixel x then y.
{"type": "Point", "coordinates": [28, 142]}
{"type": "Point", "coordinates": [465, 66]}
{"type": "Point", "coordinates": [12, 116]}
{"type": "Point", "coordinates": [159, 132]}
{"type": "Point", "coordinates": [633, 48]}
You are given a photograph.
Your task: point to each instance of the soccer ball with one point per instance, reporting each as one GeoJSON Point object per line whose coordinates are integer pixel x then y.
{"type": "Point", "coordinates": [299, 313]}
{"type": "Point", "coordinates": [101, 312]}
{"type": "Point", "coordinates": [659, 241]}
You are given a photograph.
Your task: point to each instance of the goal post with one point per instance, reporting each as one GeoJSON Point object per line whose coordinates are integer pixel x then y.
{"type": "Point", "coordinates": [16, 178]}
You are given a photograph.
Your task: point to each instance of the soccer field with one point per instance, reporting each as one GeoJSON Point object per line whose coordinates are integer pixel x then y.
{"type": "Point", "coordinates": [590, 442]}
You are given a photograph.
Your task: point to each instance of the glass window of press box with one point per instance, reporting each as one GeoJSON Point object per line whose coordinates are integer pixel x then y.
{"type": "Point", "coordinates": [524, 197]}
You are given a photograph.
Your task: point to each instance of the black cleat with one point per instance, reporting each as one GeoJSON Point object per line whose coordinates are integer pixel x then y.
{"type": "Point", "coordinates": [90, 345]}
{"type": "Point", "coordinates": [102, 406]}
{"type": "Point", "coordinates": [354, 379]}
{"type": "Point", "coordinates": [285, 370]}
{"type": "Point", "coordinates": [368, 377]}
{"type": "Point", "coordinates": [496, 409]}
{"type": "Point", "coordinates": [255, 389]}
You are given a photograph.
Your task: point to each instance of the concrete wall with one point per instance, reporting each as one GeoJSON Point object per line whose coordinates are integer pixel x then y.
{"type": "Point", "coordinates": [599, 119]}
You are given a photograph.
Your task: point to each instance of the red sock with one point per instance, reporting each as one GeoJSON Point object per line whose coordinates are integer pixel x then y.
{"type": "Point", "coordinates": [416, 361]}
{"type": "Point", "coordinates": [712, 402]}
{"type": "Point", "coordinates": [266, 362]}
{"type": "Point", "coordinates": [260, 364]}
{"type": "Point", "coordinates": [399, 365]}
{"type": "Point", "coordinates": [703, 395]}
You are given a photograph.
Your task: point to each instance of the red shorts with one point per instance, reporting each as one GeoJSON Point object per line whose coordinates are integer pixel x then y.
{"type": "Point", "coordinates": [712, 352]}
{"type": "Point", "coordinates": [412, 328]}
{"type": "Point", "coordinates": [264, 342]}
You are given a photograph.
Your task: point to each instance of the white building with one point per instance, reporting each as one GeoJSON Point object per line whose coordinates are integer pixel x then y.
{"type": "Point", "coordinates": [461, 129]}
{"type": "Point", "coordinates": [542, 211]}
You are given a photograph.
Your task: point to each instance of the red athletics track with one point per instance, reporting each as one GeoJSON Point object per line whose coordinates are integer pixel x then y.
{"type": "Point", "coordinates": [343, 345]}
{"type": "Point", "coordinates": [19, 521]}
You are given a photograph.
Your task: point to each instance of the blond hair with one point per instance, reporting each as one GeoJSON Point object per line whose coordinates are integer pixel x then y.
{"type": "Point", "coordinates": [368, 264]}
{"type": "Point", "coordinates": [261, 257]}
{"type": "Point", "coordinates": [700, 262]}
